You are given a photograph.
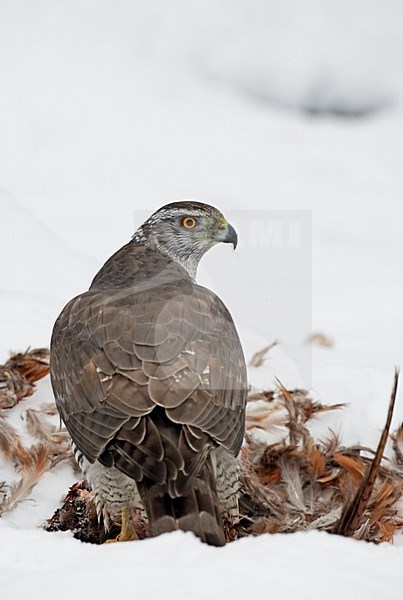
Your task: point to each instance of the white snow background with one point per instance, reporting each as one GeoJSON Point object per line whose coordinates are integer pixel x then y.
{"type": "Point", "coordinates": [109, 110]}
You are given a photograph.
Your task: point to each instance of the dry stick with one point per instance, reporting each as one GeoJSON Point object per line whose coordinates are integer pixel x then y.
{"type": "Point", "coordinates": [352, 513]}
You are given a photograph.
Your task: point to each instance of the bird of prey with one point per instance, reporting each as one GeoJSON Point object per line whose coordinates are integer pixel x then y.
{"type": "Point", "coordinates": [150, 380]}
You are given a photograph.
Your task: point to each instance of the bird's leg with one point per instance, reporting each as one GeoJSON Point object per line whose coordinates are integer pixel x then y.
{"type": "Point", "coordinates": [127, 532]}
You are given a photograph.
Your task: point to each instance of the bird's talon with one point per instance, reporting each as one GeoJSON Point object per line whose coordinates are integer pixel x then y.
{"type": "Point", "coordinates": [127, 533]}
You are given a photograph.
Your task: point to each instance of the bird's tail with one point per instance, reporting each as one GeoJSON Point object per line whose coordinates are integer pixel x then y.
{"type": "Point", "coordinates": [198, 510]}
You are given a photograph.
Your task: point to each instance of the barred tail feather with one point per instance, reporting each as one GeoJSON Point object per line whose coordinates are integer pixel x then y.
{"type": "Point", "coordinates": [197, 510]}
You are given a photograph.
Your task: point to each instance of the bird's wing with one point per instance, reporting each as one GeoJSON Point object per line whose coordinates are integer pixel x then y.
{"type": "Point", "coordinates": [150, 380]}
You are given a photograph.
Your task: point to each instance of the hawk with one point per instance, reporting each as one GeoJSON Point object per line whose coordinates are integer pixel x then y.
{"type": "Point", "coordinates": [149, 378]}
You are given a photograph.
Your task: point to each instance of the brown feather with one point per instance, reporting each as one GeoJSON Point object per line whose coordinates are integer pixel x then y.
{"type": "Point", "coordinates": [352, 512]}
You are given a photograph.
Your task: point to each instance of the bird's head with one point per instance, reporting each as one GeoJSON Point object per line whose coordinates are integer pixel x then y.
{"type": "Point", "coordinates": [184, 231]}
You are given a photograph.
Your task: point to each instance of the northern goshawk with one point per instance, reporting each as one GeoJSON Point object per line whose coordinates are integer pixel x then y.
{"type": "Point", "coordinates": [150, 380]}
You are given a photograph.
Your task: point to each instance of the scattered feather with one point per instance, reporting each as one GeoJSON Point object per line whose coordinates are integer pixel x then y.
{"type": "Point", "coordinates": [35, 465]}
{"type": "Point", "coordinates": [259, 358]}
{"type": "Point", "coordinates": [19, 373]}
{"type": "Point", "coordinates": [55, 439]}
{"type": "Point", "coordinates": [11, 445]}
{"type": "Point", "coordinates": [398, 447]}
{"type": "Point", "coordinates": [319, 339]}
{"type": "Point", "coordinates": [32, 364]}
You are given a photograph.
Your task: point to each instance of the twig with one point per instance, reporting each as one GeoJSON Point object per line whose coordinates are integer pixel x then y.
{"type": "Point", "coordinates": [352, 513]}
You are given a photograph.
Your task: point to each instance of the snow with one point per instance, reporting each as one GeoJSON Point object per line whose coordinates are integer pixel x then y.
{"type": "Point", "coordinates": [178, 566]}
{"type": "Point", "coordinates": [106, 113]}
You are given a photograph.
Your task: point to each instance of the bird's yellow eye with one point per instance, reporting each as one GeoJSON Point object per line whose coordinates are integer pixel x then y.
{"type": "Point", "coordinates": [189, 222]}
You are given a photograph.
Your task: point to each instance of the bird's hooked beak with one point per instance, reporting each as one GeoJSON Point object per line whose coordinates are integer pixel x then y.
{"type": "Point", "coordinates": [227, 234]}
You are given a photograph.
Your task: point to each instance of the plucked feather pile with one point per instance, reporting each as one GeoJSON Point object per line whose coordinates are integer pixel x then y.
{"type": "Point", "coordinates": [17, 381]}
{"type": "Point", "coordinates": [299, 483]}
{"type": "Point", "coordinates": [295, 483]}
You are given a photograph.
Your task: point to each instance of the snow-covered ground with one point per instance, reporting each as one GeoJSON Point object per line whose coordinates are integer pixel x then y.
{"type": "Point", "coordinates": [109, 110]}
